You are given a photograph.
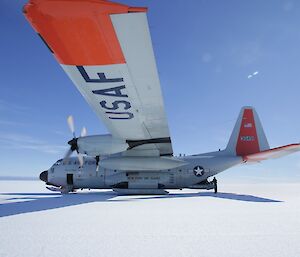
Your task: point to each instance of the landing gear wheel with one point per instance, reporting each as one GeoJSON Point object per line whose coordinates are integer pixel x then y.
{"type": "Point", "coordinates": [215, 185]}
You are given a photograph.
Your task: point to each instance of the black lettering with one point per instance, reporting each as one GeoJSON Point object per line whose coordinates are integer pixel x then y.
{"type": "Point", "coordinates": [102, 77]}
{"type": "Point", "coordinates": [117, 91]}
{"type": "Point", "coordinates": [115, 105]}
{"type": "Point", "coordinates": [128, 115]}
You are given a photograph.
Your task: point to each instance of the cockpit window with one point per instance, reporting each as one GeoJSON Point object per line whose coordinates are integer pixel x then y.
{"type": "Point", "coordinates": [58, 162]}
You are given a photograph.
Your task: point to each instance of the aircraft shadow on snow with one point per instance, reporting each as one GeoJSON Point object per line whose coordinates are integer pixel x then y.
{"type": "Point", "coordinates": [34, 202]}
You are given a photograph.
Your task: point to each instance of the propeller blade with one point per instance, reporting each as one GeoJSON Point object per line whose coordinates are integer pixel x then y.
{"type": "Point", "coordinates": [67, 155]}
{"type": "Point", "coordinates": [83, 132]}
{"type": "Point", "coordinates": [80, 159]}
{"type": "Point", "coordinates": [73, 142]}
{"type": "Point", "coordinates": [70, 121]}
{"type": "Point", "coordinates": [97, 162]}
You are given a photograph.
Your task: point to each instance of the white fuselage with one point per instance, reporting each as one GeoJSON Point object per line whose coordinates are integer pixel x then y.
{"type": "Point", "coordinates": [196, 169]}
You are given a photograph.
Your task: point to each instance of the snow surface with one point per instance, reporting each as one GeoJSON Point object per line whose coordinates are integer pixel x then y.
{"type": "Point", "coordinates": [245, 220]}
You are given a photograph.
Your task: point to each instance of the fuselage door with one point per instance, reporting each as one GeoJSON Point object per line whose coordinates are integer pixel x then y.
{"type": "Point", "coordinates": [69, 179]}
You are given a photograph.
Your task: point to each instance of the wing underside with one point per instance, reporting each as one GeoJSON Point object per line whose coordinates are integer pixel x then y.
{"type": "Point", "coordinates": [106, 50]}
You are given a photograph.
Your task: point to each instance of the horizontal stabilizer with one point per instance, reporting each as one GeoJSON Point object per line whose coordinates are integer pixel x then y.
{"type": "Point", "coordinates": [272, 153]}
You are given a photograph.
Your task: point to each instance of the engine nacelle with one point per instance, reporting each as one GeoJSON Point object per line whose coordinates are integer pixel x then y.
{"type": "Point", "coordinates": [101, 145]}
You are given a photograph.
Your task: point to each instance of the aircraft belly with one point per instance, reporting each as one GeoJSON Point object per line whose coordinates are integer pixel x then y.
{"type": "Point", "coordinates": [133, 179]}
{"type": "Point", "coordinates": [151, 183]}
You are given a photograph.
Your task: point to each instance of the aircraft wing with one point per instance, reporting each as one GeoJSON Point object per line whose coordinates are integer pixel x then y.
{"type": "Point", "coordinates": [272, 153]}
{"type": "Point", "coordinates": [106, 50]}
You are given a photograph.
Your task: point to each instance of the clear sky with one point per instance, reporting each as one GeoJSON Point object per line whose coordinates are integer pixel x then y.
{"type": "Point", "coordinates": [205, 52]}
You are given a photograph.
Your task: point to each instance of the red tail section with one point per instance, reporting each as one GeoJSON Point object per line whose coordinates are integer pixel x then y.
{"type": "Point", "coordinates": [248, 136]}
{"type": "Point", "coordinates": [247, 142]}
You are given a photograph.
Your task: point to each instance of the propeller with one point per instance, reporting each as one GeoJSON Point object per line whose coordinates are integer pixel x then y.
{"type": "Point", "coordinates": [97, 162]}
{"type": "Point", "coordinates": [73, 142]}
{"type": "Point", "coordinates": [70, 121]}
{"type": "Point", "coordinates": [83, 132]}
{"type": "Point", "coordinates": [80, 159]}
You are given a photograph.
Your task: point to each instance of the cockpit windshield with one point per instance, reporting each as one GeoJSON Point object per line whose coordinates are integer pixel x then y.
{"type": "Point", "coordinates": [58, 162]}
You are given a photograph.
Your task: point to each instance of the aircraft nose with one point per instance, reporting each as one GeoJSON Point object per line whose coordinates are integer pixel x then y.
{"type": "Point", "coordinates": [44, 176]}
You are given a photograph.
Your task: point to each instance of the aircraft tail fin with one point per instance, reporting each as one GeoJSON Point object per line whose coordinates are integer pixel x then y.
{"type": "Point", "coordinates": [248, 136]}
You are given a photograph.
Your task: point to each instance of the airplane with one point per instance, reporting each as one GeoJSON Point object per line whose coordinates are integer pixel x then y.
{"type": "Point", "coordinates": [105, 48]}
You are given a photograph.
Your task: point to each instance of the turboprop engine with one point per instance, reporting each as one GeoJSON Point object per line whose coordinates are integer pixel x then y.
{"type": "Point", "coordinates": [99, 145]}
{"type": "Point", "coordinates": [103, 145]}
{"type": "Point", "coordinates": [96, 145]}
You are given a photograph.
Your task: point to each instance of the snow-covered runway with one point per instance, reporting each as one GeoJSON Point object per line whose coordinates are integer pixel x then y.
{"type": "Point", "coordinates": [243, 220]}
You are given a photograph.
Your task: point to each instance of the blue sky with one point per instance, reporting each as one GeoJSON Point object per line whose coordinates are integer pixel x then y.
{"type": "Point", "coordinates": [205, 51]}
